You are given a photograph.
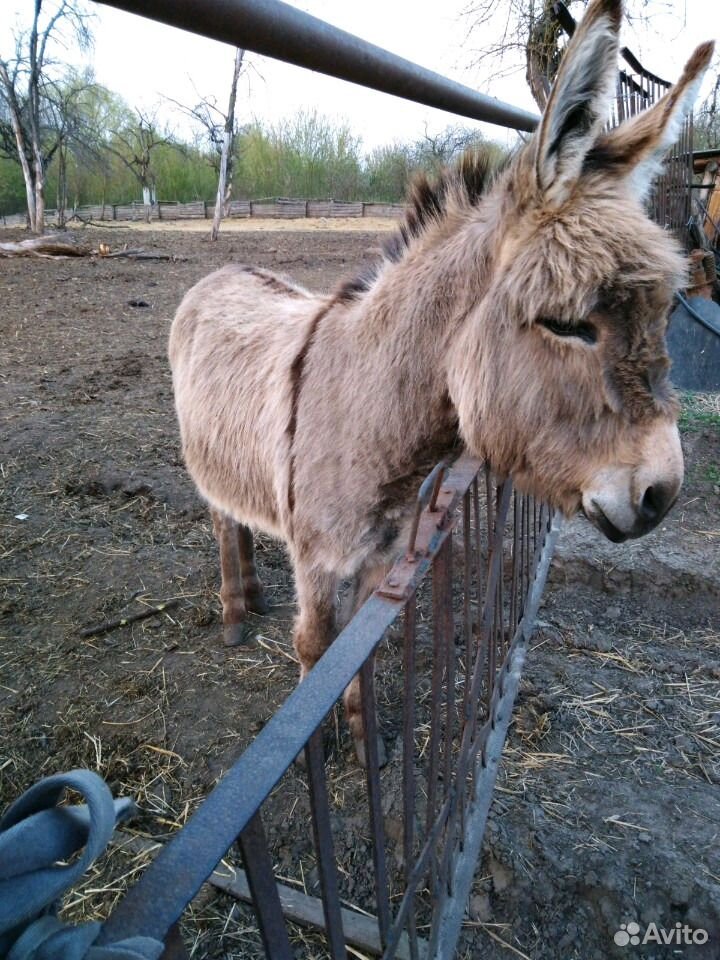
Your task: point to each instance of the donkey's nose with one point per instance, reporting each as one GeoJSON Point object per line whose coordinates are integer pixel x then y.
{"type": "Point", "coordinates": [625, 501]}
{"type": "Point", "coordinates": [655, 503]}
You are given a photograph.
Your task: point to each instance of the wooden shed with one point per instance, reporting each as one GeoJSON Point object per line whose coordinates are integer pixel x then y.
{"type": "Point", "coordinates": [706, 165]}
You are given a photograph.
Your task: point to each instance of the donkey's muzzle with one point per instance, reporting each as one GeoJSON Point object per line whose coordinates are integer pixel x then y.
{"type": "Point", "coordinates": [629, 501]}
{"type": "Point", "coordinates": [655, 502]}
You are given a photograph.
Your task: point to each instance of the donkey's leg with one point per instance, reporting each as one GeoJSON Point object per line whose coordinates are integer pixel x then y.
{"type": "Point", "coordinates": [364, 584]}
{"type": "Point", "coordinates": [252, 588]}
{"type": "Point", "coordinates": [231, 592]}
{"type": "Point", "coordinates": [316, 622]}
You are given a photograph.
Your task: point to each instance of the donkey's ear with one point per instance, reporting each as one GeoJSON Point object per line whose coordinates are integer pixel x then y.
{"type": "Point", "coordinates": [579, 102]}
{"type": "Point", "coordinates": [636, 148]}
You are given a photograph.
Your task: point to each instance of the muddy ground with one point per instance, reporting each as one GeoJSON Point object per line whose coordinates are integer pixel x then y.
{"type": "Point", "coordinates": [607, 811]}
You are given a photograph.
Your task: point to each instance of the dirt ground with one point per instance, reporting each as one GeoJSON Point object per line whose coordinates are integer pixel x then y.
{"type": "Point", "coordinates": [607, 811]}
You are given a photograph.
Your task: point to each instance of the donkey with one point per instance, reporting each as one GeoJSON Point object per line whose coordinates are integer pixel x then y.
{"type": "Point", "coordinates": [520, 313]}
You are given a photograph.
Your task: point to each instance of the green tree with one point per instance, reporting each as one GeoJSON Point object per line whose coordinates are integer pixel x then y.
{"type": "Point", "coordinates": [387, 170]}
{"type": "Point", "coordinates": [308, 155]}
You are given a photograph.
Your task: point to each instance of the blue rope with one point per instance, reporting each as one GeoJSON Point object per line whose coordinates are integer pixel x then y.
{"type": "Point", "coordinates": [35, 833]}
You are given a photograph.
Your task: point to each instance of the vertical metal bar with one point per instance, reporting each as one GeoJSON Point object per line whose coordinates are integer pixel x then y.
{"type": "Point", "coordinates": [174, 946]}
{"type": "Point", "coordinates": [449, 638]}
{"type": "Point", "coordinates": [527, 573]}
{"type": "Point", "coordinates": [468, 567]}
{"type": "Point", "coordinates": [514, 605]}
{"type": "Point", "coordinates": [496, 557]}
{"type": "Point", "coordinates": [619, 102]}
{"type": "Point", "coordinates": [438, 668]}
{"type": "Point", "coordinates": [367, 694]}
{"type": "Point", "coordinates": [450, 668]}
{"type": "Point", "coordinates": [322, 834]}
{"type": "Point", "coordinates": [490, 504]}
{"type": "Point", "coordinates": [263, 888]}
{"type": "Point", "coordinates": [409, 761]}
{"type": "Point", "coordinates": [478, 550]}
{"type": "Point", "coordinates": [467, 608]}
{"type": "Point", "coordinates": [491, 595]}
{"type": "Point", "coordinates": [501, 637]}
{"type": "Point", "coordinates": [443, 893]}
{"type": "Point", "coordinates": [485, 626]}
{"type": "Point", "coordinates": [450, 671]}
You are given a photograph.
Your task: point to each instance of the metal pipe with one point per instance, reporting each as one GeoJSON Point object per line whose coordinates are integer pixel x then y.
{"type": "Point", "coordinates": [275, 29]}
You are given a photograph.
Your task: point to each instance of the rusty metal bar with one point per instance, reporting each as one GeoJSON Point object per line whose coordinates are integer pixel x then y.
{"type": "Point", "coordinates": [445, 571]}
{"type": "Point", "coordinates": [409, 761]}
{"type": "Point", "coordinates": [327, 870]}
{"type": "Point", "coordinates": [422, 861]}
{"type": "Point", "coordinates": [438, 669]}
{"type": "Point", "coordinates": [486, 624]}
{"type": "Point", "coordinates": [467, 608]}
{"type": "Point", "coordinates": [478, 546]}
{"type": "Point", "coordinates": [514, 588]}
{"type": "Point", "coordinates": [426, 499]}
{"type": "Point", "coordinates": [500, 600]}
{"type": "Point", "coordinates": [266, 901]}
{"type": "Point", "coordinates": [451, 827]}
{"type": "Point", "coordinates": [377, 830]}
{"type": "Point", "coordinates": [450, 913]}
{"type": "Point", "coordinates": [175, 876]}
{"type": "Point", "coordinates": [174, 946]}
{"type": "Point", "coordinates": [278, 30]}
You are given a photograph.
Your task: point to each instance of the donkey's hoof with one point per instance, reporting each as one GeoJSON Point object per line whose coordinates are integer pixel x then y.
{"type": "Point", "coordinates": [361, 752]}
{"type": "Point", "coordinates": [236, 634]}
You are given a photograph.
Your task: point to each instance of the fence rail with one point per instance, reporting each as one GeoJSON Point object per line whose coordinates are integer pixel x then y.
{"type": "Point", "coordinates": [279, 30]}
{"type": "Point", "coordinates": [456, 611]}
{"type": "Point", "coordinates": [272, 208]}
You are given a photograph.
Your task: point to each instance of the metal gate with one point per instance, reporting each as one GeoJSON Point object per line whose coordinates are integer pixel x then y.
{"type": "Point", "coordinates": [457, 610]}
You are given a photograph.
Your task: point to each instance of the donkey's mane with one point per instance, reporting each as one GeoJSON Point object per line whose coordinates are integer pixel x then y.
{"type": "Point", "coordinates": [464, 184]}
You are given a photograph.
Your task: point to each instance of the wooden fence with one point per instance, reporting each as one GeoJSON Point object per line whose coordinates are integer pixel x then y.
{"type": "Point", "coordinates": [273, 208]}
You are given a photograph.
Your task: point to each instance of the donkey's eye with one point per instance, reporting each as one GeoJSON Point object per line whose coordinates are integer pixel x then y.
{"type": "Point", "coordinates": [584, 331]}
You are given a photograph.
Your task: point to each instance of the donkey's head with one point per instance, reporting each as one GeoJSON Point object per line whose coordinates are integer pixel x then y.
{"type": "Point", "coordinates": [568, 346]}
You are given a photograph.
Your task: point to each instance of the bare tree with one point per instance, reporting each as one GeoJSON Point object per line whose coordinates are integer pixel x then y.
{"type": "Point", "coordinates": [707, 120]}
{"type": "Point", "coordinates": [434, 151]}
{"type": "Point", "coordinates": [24, 81]}
{"type": "Point", "coordinates": [222, 200]}
{"type": "Point", "coordinates": [221, 131]}
{"type": "Point", "coordinates": [528, 32]}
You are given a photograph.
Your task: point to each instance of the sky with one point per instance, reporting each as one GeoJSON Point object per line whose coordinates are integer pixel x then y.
{"type": "Point", "coordinates": [145, 61]}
